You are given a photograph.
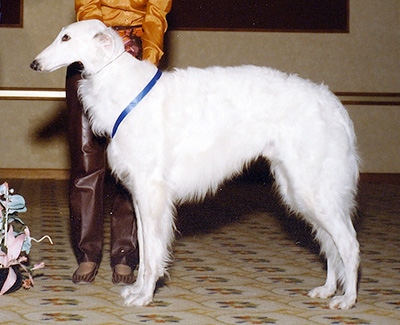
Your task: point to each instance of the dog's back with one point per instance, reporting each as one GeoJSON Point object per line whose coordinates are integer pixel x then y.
{"type": "Point", "coordinates": [202, 117]}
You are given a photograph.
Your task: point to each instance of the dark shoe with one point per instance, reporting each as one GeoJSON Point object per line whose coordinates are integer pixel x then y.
{"type": "Point", "coordinates": [123, 274]}
{"type": "Point", "coordinates": [85, 273]}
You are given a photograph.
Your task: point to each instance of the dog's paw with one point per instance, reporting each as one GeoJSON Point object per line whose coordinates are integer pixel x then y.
{"type": "Point", "coordinates": [344, 302]}
{"type": "Point", "coordinates": [138, 300]}
{"type": "Point", "coordinates": [130, 290]}
{"type": "Point", "coordinates": [136, 295]}
{"type": "Point", "coordinates": [322, 292]}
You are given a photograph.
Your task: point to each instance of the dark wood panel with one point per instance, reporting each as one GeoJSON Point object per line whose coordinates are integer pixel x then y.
{"type": "Point", "coordinates": [11, 13]}
{"type": "Point", "coordinates": [261, 15]}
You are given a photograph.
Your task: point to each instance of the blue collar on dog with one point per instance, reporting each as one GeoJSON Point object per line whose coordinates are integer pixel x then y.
{"type": "Point", "coordinates": [135, 101]}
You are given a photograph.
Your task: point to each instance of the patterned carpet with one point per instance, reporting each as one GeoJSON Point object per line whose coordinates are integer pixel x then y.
{"type": "Point", "coordinates": [239, 259]}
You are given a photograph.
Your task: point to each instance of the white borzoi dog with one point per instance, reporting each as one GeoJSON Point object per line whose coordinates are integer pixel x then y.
{"type": "Point", "coordinates": [197, 127]}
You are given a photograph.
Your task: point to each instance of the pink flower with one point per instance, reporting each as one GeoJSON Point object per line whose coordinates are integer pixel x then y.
{"type": "Point", "coordinates": [38, 266]}
{"type": "Point", "coordinates": [10, 280]}
{"type": "Point", "coordinates": [14, 246]}
{"type": "Point", "coordinates": [27, 284]}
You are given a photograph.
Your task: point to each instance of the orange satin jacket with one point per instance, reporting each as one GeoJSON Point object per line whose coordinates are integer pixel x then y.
{"type": "Point", "coordinates": [150, 14]}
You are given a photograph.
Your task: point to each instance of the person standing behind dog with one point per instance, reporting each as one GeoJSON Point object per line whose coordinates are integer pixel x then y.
{"type": "Point", "coordinates": [141, 24]}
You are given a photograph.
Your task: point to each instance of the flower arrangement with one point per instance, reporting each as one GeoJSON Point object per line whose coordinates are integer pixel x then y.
{"type": "Point", "coordinates": [15, 243]}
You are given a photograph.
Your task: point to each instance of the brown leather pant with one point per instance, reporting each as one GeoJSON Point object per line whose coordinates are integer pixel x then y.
{"type": "Point", "coordinates": [86, 190]}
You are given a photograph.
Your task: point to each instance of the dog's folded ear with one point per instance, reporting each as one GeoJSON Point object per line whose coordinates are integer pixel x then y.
{"type": "Point", "coordinates": [105, 42]}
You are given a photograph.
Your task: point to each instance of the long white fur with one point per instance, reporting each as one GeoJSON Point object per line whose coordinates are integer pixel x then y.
{"type": "Point", "coordinates": [198, 127]}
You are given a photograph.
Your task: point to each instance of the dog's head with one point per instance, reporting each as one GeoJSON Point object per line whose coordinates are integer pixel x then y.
{"type": "Point", "coordinates": [90, 42]}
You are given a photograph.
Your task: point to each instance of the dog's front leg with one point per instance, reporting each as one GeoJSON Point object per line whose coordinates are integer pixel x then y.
{"type": "Point", "coordinates": [130, 293]}
{"type": "Point", "coordinates": [155, 234]}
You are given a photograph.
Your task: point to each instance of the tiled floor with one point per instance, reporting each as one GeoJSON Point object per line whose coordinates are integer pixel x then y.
{"type": "Point", "coordinates": [238, 260]}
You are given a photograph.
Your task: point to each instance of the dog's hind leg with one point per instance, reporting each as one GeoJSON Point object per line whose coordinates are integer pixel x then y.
{"type": "Point", "coordinates": [343, 261]}
{"type": "Point", "coordinates": [333, 262]}
{"type": "Point", "coordinates": [155, 233]}
{"type": "Point", "coordinates": [330, 216]}
{"type": "Point", "coordinates": [326, 203]}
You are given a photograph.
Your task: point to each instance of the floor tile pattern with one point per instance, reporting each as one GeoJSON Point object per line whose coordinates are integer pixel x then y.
{"type": "Point", "coordinates": [239, 259]}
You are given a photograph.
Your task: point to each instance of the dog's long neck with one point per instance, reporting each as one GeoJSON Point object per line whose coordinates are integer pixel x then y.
{"type": "Point", "coordinates": [87, 75]}
{"type": "Point", "coordinates": [106, 93]}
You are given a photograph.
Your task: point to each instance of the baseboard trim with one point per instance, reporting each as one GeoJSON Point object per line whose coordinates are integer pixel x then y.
{"type": "Point", "coordinates": [386, 178]}
{"type": "Point", "coordinates": [63, 174]}
{"type": "Point", "coordinates": [26, 173]}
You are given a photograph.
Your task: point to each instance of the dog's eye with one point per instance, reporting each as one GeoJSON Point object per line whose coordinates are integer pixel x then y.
{"type": "Point", "coordinates": [66, 38]}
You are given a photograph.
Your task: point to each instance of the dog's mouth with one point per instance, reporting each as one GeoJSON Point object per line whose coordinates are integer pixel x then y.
{"type": "Point", "coordinates": [37, 66]}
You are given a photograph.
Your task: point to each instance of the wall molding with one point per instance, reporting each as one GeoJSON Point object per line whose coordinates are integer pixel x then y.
{"type": "Point", "coordinates": [347, 98]}
{"type": "Point", "coordinates": [32, 93]}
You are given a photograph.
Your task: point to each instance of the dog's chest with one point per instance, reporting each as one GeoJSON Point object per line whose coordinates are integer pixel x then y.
{"type": "Point", "coordinates": [100, 106]}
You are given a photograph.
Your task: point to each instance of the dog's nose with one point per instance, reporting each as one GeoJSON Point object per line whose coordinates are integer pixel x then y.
{"type": "Point", "coordinates": [35, 65]}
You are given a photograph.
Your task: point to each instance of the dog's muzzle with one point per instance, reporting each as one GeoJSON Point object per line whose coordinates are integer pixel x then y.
{"type": "Point", "coordinates": [35, 65]}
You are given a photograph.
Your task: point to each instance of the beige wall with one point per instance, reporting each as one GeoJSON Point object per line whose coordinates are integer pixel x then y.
{"type": "Point", "coordinates": [364, 60]}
